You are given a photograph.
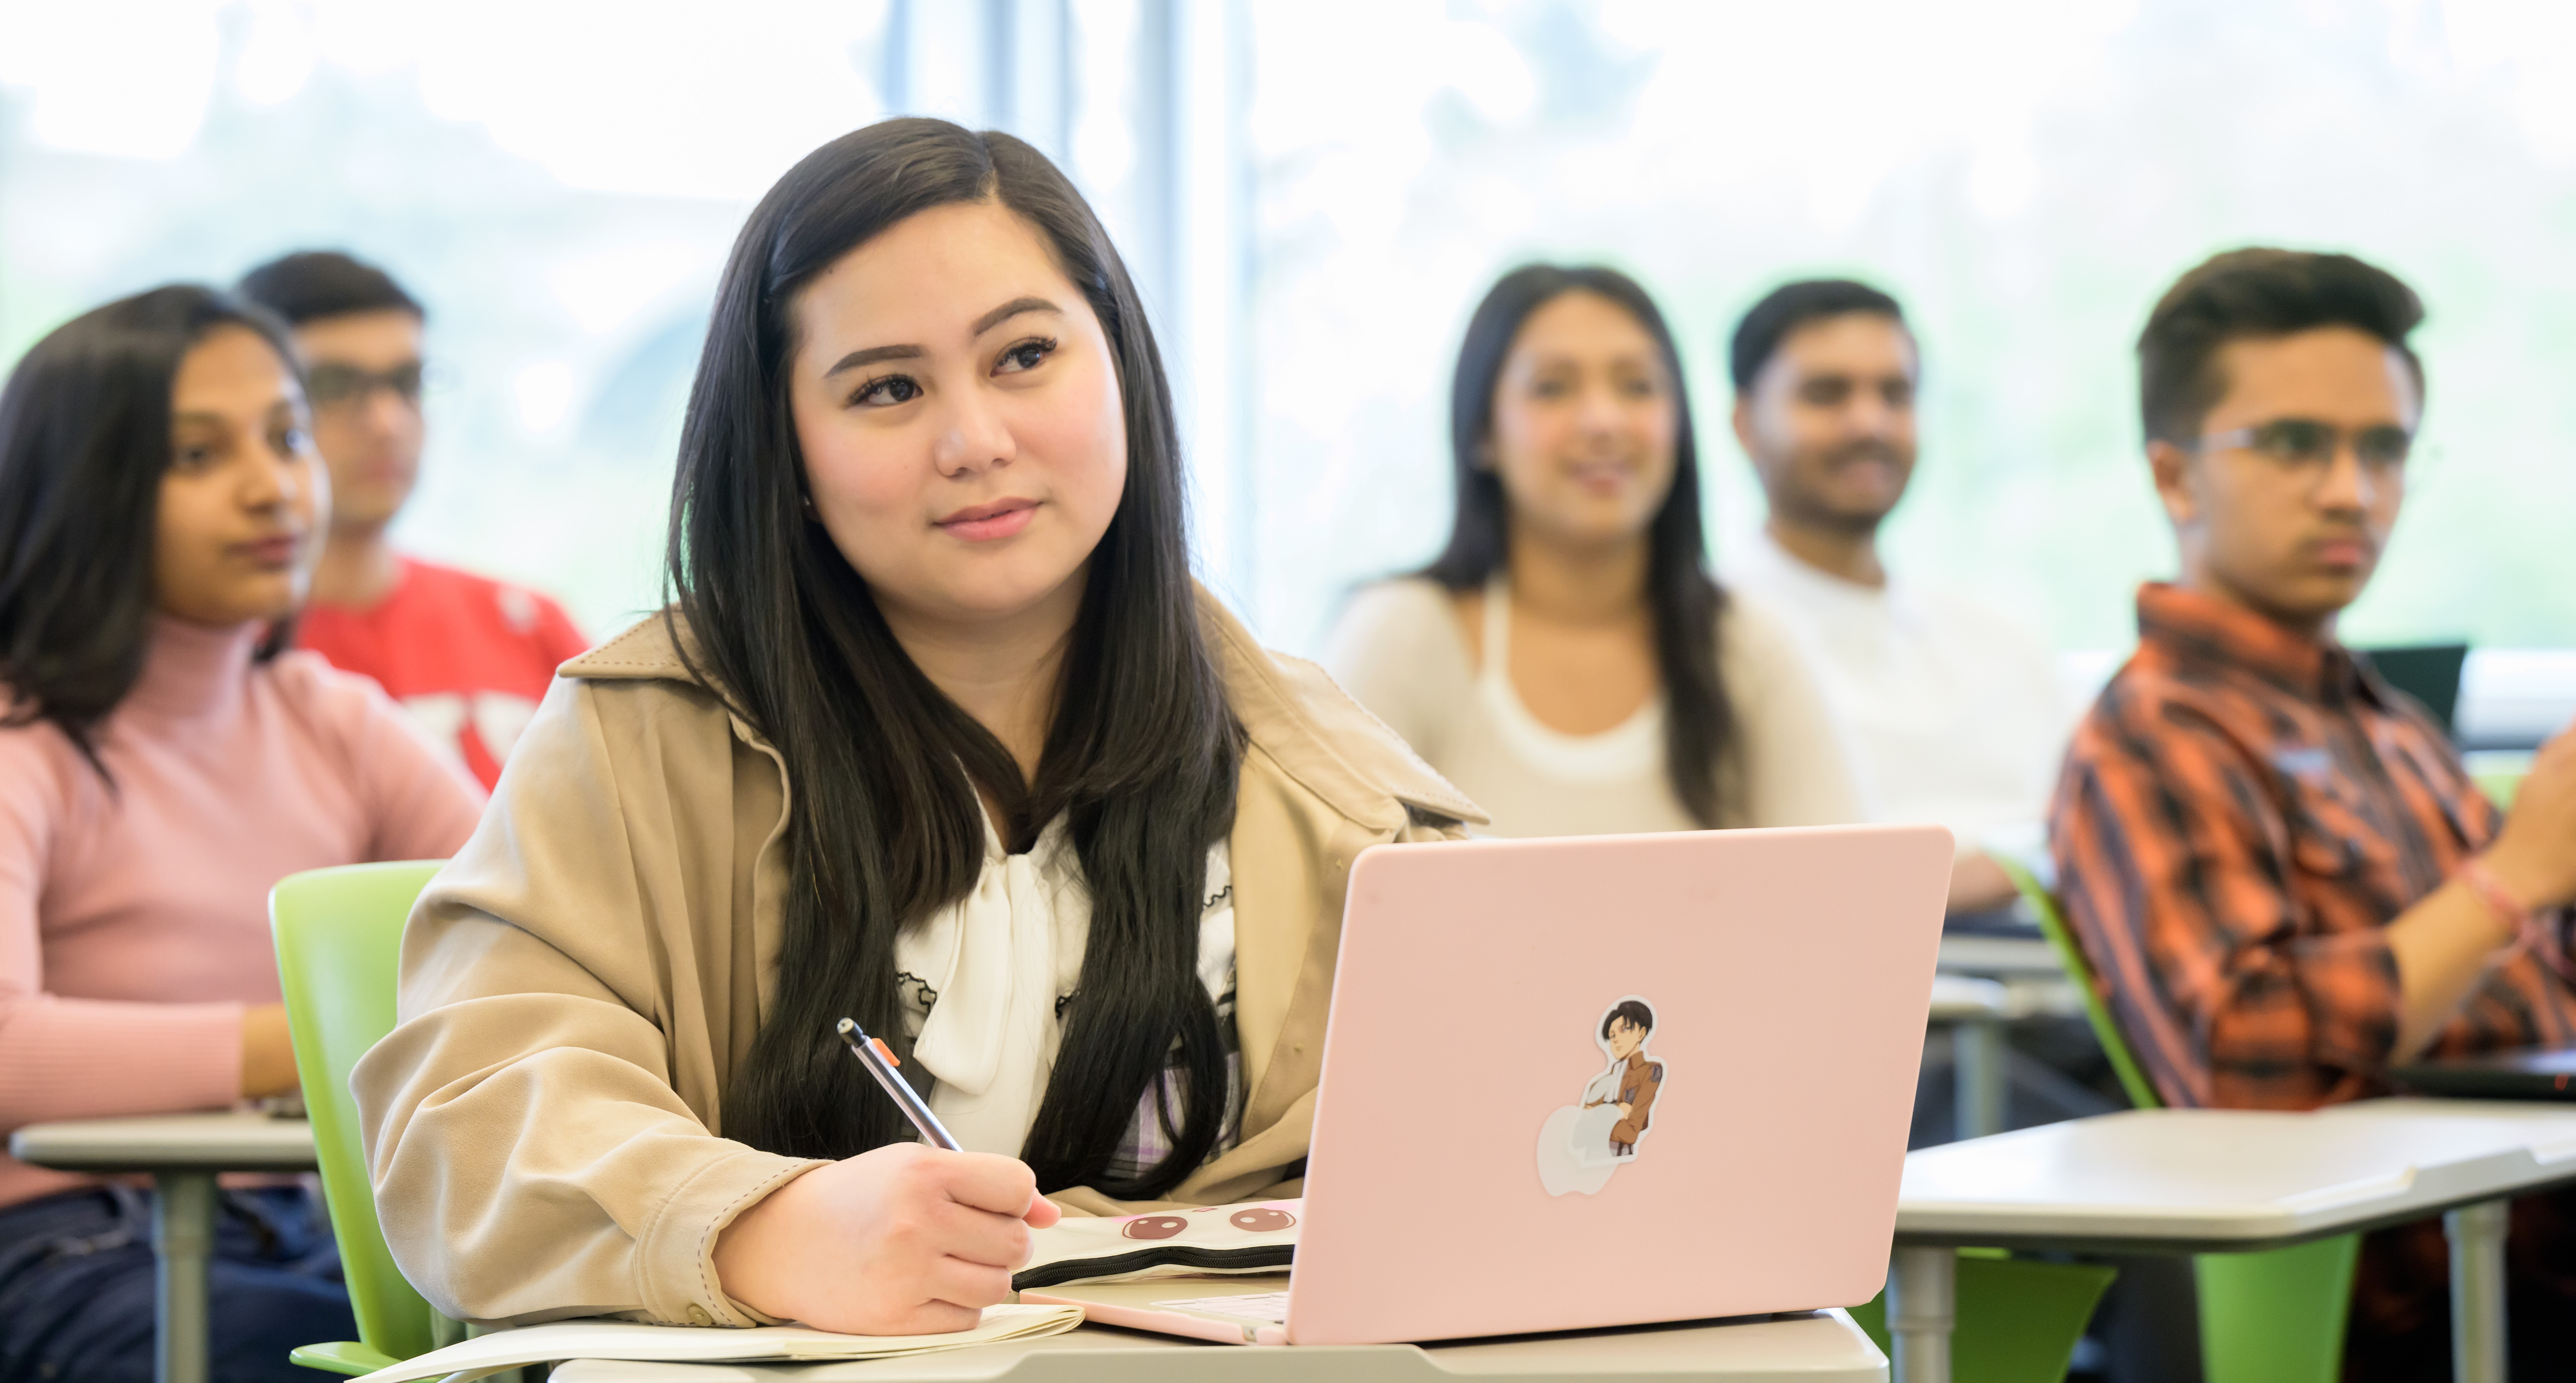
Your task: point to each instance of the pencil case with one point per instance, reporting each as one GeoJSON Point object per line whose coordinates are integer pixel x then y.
{"type": "Point", "coordinates": [1260, 1237]}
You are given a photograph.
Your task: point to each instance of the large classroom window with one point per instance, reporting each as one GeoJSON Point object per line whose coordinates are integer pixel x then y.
{"type": "Point", "coordinates": [1314, 192]}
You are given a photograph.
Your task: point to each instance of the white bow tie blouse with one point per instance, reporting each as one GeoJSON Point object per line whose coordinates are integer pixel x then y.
{"type": "Point", "coordinates": [984, 982]}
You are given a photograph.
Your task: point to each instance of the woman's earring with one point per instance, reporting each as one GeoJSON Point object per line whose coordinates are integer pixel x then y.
{"type": "Point", "coordinates": [808, 502]}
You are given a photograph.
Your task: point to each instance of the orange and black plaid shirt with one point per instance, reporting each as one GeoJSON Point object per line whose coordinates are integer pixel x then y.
{"type": "Point", "coordinates": [2241, 815]}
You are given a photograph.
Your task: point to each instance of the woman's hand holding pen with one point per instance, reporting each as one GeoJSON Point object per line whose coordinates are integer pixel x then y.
{"type": "Point", "coordinates": [904, 1240]}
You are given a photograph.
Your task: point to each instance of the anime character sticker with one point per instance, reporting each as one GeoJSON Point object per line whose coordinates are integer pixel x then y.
{"type": "Point", "coordinates": [1583, 1143]}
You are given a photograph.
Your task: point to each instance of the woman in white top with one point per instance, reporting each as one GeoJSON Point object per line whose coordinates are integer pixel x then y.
{"type": "Point", "coordinates": [1567, 661]}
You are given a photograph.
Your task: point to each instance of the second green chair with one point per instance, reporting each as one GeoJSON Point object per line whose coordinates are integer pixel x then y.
{"type": "Point", "coordinates": [2271, 1317]}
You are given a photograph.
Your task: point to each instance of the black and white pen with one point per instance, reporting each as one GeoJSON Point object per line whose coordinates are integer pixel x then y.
{"type": "Point", "coordinates": [880, 1063]}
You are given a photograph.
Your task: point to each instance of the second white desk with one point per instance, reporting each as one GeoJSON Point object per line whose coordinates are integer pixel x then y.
{"type": "Point", "coordinates": [2222, 1181]}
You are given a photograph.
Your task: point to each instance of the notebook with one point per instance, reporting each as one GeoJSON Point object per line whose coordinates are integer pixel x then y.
{"type": "Point", "coordinates": [1581, 1083]}
{"type": "Point", "coordinates": [665, 1344]}
{"type": "Point", "coordinates": [1254, 1238]}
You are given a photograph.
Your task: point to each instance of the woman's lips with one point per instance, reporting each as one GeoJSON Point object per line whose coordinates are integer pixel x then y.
{"type": "Point", "coordinates": [982, 523]}
{"type": "Point", "coordinates": [276, 553]}
{"type": "Point", "coordinates": [1601, 477]}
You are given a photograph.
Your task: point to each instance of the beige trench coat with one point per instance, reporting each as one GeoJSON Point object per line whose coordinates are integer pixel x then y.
{"type": "Point", "coordinates": [581, 982]}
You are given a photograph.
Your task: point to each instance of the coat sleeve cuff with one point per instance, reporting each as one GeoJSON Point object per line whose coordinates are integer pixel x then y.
{"type": "Point", "coordinates": [677, 1256]}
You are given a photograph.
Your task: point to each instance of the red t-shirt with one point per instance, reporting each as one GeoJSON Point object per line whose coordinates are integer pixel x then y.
{"type": "Point", "coordinates": [469, 657]}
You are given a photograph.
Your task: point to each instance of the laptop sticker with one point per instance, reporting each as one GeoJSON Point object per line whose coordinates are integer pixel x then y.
{"type": "Point", "coordinates": [1581, 1145]}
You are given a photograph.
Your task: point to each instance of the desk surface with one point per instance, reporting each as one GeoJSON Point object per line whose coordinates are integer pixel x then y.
{"type": "Point", "coordinates": [2001, 956]}
{"type": "Point", "coordinates": [212, 1142]}
{"type": "Point", "coordinates": [1822, 1348]}
{"type": "Point", "coordinates": [1960, 999]}
{"type": "Point", "coordinates": [2202, 1180]}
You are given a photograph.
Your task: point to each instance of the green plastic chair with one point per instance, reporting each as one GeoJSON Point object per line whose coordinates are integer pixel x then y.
{"type": "Point", "coordinates": [2272, 1317]}
{"type": "Point", "coordinates": [2017, 1320]}
{"type": "Point", "coordinates": [339, 935]}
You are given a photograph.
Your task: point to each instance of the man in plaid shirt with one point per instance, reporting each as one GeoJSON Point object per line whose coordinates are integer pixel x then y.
{"type": "Point", "coordinates": [2280, 871]}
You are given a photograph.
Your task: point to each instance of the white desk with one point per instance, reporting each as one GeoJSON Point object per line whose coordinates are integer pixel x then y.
{"type": "Point", "coordinates": [2220, 1181]}
{"type": "Point", "coordinates": [1821, 1348]}
{"type": "Point", "coordinates": [1999, 957]}
{"type": "Point", "coordinates": [183, 1153]}
{"type": "Point", "coordinates": [1974, 1011]}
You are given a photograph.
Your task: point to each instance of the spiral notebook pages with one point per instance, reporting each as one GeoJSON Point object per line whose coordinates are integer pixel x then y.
{"type": "Point", "coordinates": [664, 1344]}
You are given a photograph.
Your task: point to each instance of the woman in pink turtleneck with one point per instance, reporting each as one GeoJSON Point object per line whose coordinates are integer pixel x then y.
{"type": "Point", "coordinates": [161, 766]}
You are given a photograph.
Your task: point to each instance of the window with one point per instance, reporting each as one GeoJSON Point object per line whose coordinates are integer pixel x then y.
{"type": "Point", "coordinates": [1313, 195]}
{"type": "Point", "coordinates": [2026, 175]}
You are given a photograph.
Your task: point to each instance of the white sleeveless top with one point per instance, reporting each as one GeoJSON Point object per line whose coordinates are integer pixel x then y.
{"type": "Point", "coordinates": [1400, 652]}
{"type": "Point", "coordinates": [1629, 754]}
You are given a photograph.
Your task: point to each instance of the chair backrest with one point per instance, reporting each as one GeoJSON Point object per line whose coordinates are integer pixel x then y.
{"type": "Point", "coordinates": [339, 937]}
{"type": "Point", "coordinates": [2061, 939]}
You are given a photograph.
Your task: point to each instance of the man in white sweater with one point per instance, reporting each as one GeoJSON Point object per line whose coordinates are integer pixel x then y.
{"type": "Point", "coordinates": [1954, 709]}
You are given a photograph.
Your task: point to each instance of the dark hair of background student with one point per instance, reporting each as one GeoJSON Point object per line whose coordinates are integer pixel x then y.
{"type": "Point", "coordinates": [1790, 306]}
{"type": "Point", "coordinates": [84, 440]}
{"type": "Point", "coordinates": [313, 284]}
{"type": "Point", "coordinates": [1699, 723]}
{"type": "Point", "coordinates": [2258, 292]}
{"type": "Point", "coordinates": [884, 828]}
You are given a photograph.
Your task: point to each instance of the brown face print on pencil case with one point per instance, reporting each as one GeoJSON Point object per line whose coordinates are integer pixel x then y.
{"type": "Point", "coordinates": [1580, 1145]}
{"type": "Point", "coordinates": [1155, 1226]}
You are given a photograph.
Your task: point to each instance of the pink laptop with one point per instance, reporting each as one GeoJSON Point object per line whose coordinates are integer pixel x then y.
{"type": "Point", "coordinates": [1601, 1081]}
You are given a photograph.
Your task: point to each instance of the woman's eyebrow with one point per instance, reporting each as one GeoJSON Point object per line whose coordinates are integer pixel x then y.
{"type": "Point", "coordinates": [872, 355]}
{"type": "Point", "coordinates": [1011, 309]}
{"type": "Point", "coordinates": [983, 324]}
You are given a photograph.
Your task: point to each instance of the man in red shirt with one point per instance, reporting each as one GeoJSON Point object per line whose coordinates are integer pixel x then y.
{"type": "Point", "coordinates": [467, 656]}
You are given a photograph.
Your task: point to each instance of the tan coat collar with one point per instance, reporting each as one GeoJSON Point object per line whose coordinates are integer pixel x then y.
{"type": "Point", "coordinates": [1289, 708]}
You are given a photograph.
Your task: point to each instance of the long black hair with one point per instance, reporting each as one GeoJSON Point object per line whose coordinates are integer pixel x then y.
{"type": "Point", "coordinates": [1700, 750]}
{"type": "Point", "coordinates": [84, 440]}
{"type": "Point", "coordinates": [882, 827]}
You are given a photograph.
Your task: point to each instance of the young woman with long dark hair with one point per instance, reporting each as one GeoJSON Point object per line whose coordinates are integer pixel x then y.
{"type": "Point", "coordinates": [937, 734]}
{"type": "Point", "coordinates": [162, 765]}
{"type": "Point", "coordinates": [1567, 660]}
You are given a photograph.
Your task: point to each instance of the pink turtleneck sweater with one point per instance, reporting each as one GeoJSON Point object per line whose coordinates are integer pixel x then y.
{"type": "Point", "coordinates": [134, 921]}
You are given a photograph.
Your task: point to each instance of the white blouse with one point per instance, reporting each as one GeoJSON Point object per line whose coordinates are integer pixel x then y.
{"type": "Point", "coordinates": [984, 981]}
{"type": "Point", "coordinates": [1400, 652]}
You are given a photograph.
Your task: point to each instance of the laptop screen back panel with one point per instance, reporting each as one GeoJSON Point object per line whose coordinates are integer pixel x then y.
{"type": "Point", "coordinates": [1468, 1175]}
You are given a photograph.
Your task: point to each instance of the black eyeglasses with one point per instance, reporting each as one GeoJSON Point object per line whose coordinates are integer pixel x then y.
{"type": "Point", "coordinates": [347, 386]}
{"type": "Point", "coordinates": [2308, 447]}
